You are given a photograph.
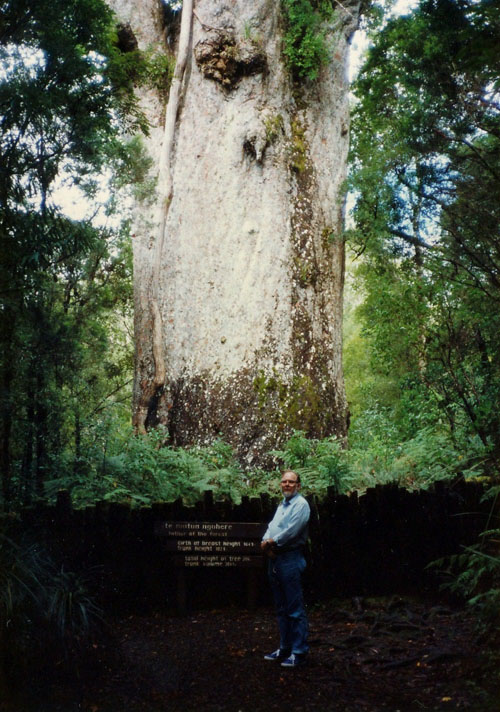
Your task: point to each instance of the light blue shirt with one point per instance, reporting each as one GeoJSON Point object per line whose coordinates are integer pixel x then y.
{"type": "Point", "coordinates": [288, 527]}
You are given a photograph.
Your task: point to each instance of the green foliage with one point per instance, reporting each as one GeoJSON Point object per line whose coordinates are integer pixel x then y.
{"type": "Point", "coordinates": [383, 449]}
{"type": "Point", "coordinates": [46, 613]}
{"type": "Point", "coordinates": [150, 68]}
{"type": "Point", "coordinates": [320, 463]}
{"type": "Point", "coordinates": [428, 457]}
{"type": "Point", "coordinates": [160, 70]}
{"type": "Point", "coordinates": [426, 220]}
{"type": "Point", "coordinates": [372, 444]}
{"type": "Point", "coordinates": [116, 465]}
{"type": "Point", "coordinates": [425, 179]}
{"type": "Point", "coordinates": [70, 608]}
{"type": "Point", "coordinates": [475, 573]}
{"type": "Point", "coordinates": [56, 84]}
{"type": "Point", "coordinates": [476, 576]}
{"type": "Point", "coordinates": [304, 41]}
{"type": "Point", "coordinates": [134, 170]}
{"type": "Point", "coordinates": [422, 358]}
{"type": "Point", "coordinates": [66, 284]}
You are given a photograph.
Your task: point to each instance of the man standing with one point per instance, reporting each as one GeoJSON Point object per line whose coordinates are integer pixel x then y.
{"type": "Point", "coordinates": [284, 543]}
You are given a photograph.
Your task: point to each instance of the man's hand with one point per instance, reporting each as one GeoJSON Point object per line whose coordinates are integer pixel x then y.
{"type": "Point", "coordinates": [266, 544]}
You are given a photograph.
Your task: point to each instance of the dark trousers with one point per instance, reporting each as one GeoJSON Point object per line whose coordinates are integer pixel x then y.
{"type": "Point", "coordinates": [285, 574]}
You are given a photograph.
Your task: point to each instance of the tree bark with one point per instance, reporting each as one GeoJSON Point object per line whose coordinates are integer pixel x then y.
{"type": "Point", "coordinates": [239, 265]}
{"type": "Point", "coordinates": [8, 376]}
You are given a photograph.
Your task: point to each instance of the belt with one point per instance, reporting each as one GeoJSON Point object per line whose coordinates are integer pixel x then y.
{"type": "Point", "coordinates": [288, 550]}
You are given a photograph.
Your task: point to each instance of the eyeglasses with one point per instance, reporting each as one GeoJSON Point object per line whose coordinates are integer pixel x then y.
{"type": "Point", "coordinates": [289, 482]}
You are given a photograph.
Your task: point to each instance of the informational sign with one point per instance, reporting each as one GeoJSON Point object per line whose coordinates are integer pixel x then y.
{"type": "Point", "coordinates": [213, 544]}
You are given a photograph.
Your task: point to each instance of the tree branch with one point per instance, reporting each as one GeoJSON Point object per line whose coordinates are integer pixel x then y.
{"type": "Point", "coordinates": [411, 239]}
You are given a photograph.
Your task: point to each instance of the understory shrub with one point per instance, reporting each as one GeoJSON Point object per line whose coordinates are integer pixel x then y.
{"type": "Point", "coordinates": [116, 465]}
{"type": "Point", "coordinates": [320, 463]}
{"type": "Point", "coordinates": [474, 574]}
{"type": "Point", "coordinates": [142, 469]}
{"type": "Point", "coordinates": [378, 453]}
{"type": "Point", "coordinates": [48, 618]}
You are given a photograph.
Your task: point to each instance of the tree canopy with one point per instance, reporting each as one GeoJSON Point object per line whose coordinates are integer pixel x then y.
{"type": "Point", "coordinates": [425, 175]}
{"type": "Point", "coordinates": [64, 95]}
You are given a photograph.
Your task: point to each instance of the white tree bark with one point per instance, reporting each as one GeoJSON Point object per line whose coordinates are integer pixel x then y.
{"type": "Point", "coordinates": [246, 275]}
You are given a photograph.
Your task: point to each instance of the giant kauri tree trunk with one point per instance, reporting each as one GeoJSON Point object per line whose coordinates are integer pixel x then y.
{"type": "Point", "coordinates": [238, 253]}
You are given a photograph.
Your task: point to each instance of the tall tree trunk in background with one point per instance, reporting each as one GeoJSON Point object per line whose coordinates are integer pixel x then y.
{"type": "Point", "coordinates": [7, 378]}
{"type": "Point", "coordinates": [239, 260]}
{"type": "Point", "coordinates": [40, 432]}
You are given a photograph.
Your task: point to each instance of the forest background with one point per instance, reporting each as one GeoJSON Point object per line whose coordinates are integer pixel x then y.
{"type": "Point", "coordinates": [422, 318]}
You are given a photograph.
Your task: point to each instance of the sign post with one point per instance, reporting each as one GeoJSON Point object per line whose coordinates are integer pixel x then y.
{"type": "Point", "coordinates": [222, 545]}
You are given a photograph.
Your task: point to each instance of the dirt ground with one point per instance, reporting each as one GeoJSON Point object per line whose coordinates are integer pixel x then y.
{"type": "Point", "coordinates": [366, 655]}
